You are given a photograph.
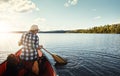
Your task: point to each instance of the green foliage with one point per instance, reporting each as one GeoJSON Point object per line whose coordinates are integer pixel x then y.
{"type": "Point", "coordinates": [114, 28]}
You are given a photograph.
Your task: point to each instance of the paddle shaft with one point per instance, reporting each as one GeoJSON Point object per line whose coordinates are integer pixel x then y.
{"type": "Point", "coordinates": [47, 51]}
{"type": "Point", "coordinates": [57, 58]}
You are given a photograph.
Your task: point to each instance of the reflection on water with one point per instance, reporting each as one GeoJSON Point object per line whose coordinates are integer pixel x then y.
{"type": "Point", "coordinates": [87, 54]}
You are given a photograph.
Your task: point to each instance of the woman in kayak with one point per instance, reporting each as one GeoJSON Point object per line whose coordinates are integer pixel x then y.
{"type": "Point", "coordinates": [30, 42]}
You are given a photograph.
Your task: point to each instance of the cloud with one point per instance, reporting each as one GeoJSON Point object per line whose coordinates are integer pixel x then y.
{"type": "Point", "coordinates": [115, 21]}
{"type": "Point", "coordinates": [98, 17]}
{"type": "Point", "coordinates": [3, 1]}
{"type": "Point", "coordinates": [17, 5]}
{"type": "Point", "coordinates": [70, 2]}
{"type": "Point", "coordinates": [66, 5]}
{"type": "Point", "coordinates": [40, 20]}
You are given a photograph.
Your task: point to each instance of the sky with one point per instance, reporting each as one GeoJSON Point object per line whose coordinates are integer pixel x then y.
{"type": "Point", "coordinates": [19, 15]}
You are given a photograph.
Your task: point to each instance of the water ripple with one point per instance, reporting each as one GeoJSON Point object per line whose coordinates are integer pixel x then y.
{"type": "Point", "coordinates": [90, 63]}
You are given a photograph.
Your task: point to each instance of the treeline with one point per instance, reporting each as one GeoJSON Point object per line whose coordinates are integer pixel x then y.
{"type": "Point", "coordinates": [114, 28]}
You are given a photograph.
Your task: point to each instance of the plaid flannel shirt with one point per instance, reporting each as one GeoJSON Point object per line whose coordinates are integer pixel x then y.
{"type": "Point", "coordinates": [30, 44]}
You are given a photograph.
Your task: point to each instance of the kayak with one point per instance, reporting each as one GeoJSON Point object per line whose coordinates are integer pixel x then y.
{"type": "Point", "coordinates": [47, 68]}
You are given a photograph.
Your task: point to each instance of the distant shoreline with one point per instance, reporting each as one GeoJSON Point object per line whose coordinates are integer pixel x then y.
{"type": "Point", "coordinates": [106, 29]}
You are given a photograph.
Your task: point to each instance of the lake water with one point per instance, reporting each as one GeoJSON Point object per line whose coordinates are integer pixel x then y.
{"type": "Point", "coordinates": [87, 54]}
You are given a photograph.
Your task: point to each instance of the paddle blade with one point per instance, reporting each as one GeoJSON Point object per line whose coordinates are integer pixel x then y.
{"type": "Point", "coordinates": [59, 60]}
